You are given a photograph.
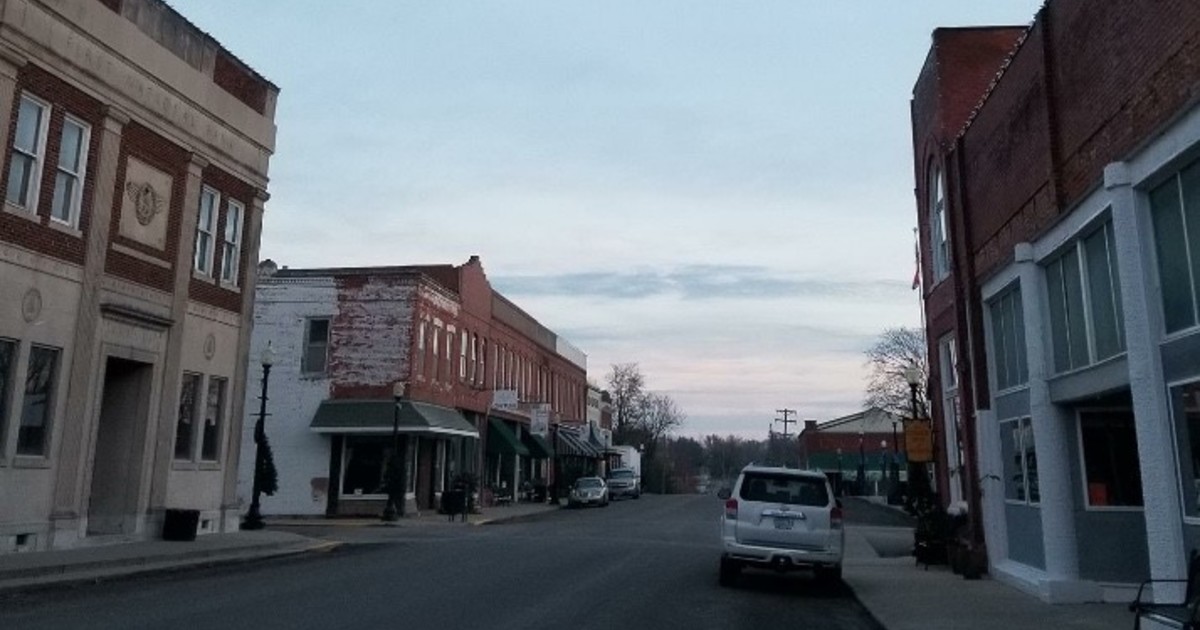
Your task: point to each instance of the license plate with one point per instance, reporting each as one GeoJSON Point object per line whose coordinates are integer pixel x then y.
{"type": "Point", "coordinates": [783, 523]}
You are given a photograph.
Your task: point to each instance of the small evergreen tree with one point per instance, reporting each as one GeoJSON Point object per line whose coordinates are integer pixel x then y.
{"type": "Point", "coordinates": [268, 477]}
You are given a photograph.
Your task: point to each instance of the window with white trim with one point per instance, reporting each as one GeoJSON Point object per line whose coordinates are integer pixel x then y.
{"type": "Point", "coordinates": [948, 357]}
{"type": "Point", "coordinates": [231, 248]}
{"type": "Point", "coordinates": [419, 364]}
{"type": "Point", "coordinates": [1087, 323]}
{"type": "Point", "coordinates": [29, 152]}
{"type": "Point", "coordinates": [1008, 340]}
{"type": "Point", "coordinates": [1175, 212]}
{"type": "Point", "coordinates": [72, 166]}
{"type": "Point", "coordinates": [474, 365]}
{"type": "Point", "coordinates": [462, 357]}
{"type": "Point", "coordinates": [437, 353]}
{"type": "Point", "coordinates": [1020, 461]}
{"type": "Point", "coordinates": [206, 227]}
{"type": "Point", "coordinates": [214, 410]}
{"type": "Point", "coordinates": [939, 228]}
{"type": "Point", "coordinates": [316, 346]}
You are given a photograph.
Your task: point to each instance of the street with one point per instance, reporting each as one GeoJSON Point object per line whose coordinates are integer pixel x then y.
{"type": "Point", "coordinates": [650, 563]}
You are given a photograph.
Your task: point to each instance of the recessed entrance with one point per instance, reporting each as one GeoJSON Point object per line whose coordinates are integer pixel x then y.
{"type": "Point", "coordinates": [117, 466]}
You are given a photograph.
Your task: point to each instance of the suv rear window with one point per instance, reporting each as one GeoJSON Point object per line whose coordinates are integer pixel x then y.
{"type": "Point", "coordinates": [789, 489]}
{"type": "Point", "coordinates": [622, 474]}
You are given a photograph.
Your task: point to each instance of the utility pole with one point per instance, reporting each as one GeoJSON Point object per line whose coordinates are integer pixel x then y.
{"type": "Point", "coordinates": [786, 420]}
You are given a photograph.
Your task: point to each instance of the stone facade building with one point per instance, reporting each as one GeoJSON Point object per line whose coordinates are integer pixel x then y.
{"type": "Point", "coordinates": [342, 340]}
{"type": "Point", "coordinates": [136, 154]}
{"type": "Point", "coordinates": [1058, 197]}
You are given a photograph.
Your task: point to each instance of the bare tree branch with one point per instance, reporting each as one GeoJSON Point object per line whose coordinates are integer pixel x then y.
{"type": "Point", "coordinates": [896, 350]}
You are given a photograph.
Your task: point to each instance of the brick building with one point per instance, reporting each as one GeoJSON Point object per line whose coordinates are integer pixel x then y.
{"type": "Point", "coordinates": [343, 338]}
{"type": "Point", "coordinates": [857, 452]}
{"type": "Point", "coordinates": [1058, 198]}
{"type": "Point", "coordinates": [135, 169]}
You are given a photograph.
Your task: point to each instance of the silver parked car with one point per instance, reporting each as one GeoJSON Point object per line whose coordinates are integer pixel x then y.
{"type": "Point", "coordinates": [781, 519]}
{"type": "Point", "coordinates": [624, 482]}
{"type": "Point", "coordinates": [588, 491]}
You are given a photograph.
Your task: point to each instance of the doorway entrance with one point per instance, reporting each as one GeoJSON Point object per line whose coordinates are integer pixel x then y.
{"type": "Point", "coordinates": [120, 435]}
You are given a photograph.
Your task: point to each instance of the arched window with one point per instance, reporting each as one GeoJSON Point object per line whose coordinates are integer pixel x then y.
{"type": "Point", "coordinates": [939, 232]}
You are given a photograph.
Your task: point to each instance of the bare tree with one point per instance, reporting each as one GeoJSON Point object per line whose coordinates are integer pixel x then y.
{"type": "Point", "coordinates": [625, 386]}
{"type": "Point", "coordinates": [896, 350]}
{"type": "Point", "coordinates": [659, 415]}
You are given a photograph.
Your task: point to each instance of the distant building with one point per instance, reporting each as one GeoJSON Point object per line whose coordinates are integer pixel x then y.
{"type": "Point", "coordinates": [344, 337]}
{"type": "Point", "coordinates": [864, 441]}
{"type": "Point", "coordinates": [136, 150]}
{"type": "Point", "coordinates": [1058, 199]}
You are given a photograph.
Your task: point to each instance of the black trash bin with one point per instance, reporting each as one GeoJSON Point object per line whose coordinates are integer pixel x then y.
{"type": "Point", "coordinates": [454, 502]}
{"type": "Point", "coordinates": [180, 524]}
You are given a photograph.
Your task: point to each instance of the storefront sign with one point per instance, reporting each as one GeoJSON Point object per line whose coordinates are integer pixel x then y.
{"type": "Point", "coordinates": [918, 441]}
{"type": "Point", "coordinates": [539, 419]}
{"type": "Point", "coordinates": [505, 399]}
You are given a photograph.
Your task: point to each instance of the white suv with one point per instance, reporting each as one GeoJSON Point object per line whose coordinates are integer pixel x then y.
{"type": "Point", "coordinates": [781, 519]}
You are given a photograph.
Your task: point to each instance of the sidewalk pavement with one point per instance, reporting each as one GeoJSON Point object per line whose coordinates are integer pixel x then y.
{"type": "Point", "coordinates": [902, 596]}
{"type": "Point", "coordinates": [40, 569]}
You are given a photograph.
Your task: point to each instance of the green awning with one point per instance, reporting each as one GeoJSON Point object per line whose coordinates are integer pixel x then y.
{"type": "Point", "coordinates": [501, 439]}
{"type": "Point", "coordinates": [539, 447]}
{"type": "Point", "coordinates": [850, 461]}
{"type": "Point", "coordinates": [572, 444]}
{"type": "Point", "coordinates": [377, 416]}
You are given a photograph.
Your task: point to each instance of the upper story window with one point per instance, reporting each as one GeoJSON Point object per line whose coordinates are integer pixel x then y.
{"type": "Point", "coordinates": [437, 361]}
{"type": "Point", "coordinates": [462, 357]}
{"type": "Point", "coordinates": [474, 364]}
{"type": "Point", "coordinates": [1175, 210]}
{"type": "Point", "coordinates": [316, 346]}
{"type": "Point", "coordinates": [419, 363]}
{"type": "Point", "coordinates": [939, 232]}
{"type": "Point", "coordinates": [72, 164]}
{"type": "Point", "coordinates": [1086, 320]}
{"type": "Point", "coordinates": [29, 152]}
{"type": "Point", "coordinates": [206, 227]}
{"type": "Point", "coordinates": [1008, 340]}
{"type": "Point", "coordinates": [231, 249]}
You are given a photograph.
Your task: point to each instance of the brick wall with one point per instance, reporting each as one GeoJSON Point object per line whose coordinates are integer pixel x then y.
{"type": "Point", "coordinates": [371, 334]}
{"type": "Point", "coordinates": [63, 99]}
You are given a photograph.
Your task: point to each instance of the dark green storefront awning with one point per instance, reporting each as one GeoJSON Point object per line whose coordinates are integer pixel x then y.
{"type": "Point", "coordinates": [539, 447]}
{"type": "Point", "coordinates": [502, 440]}
{"type": "Point", "coordinates": [376, 417]}
{"type": "Point", "coordinates": [849, 462]}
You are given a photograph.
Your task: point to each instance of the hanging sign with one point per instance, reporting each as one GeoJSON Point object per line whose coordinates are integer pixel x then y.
{"type": "Point", "coordinates": [918, 441]}
{"type": "Point", "coordinates": [505, 399]}
{"type": "Point", "coordinates": [539, 419]}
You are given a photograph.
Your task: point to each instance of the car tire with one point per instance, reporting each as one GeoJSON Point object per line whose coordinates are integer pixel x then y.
{"type": "Point", "coordinates": [637, 495]}
{"type": "Point", "coordinates": [829, 576]}
{"type": "Point", "coordinates": [728, 573]}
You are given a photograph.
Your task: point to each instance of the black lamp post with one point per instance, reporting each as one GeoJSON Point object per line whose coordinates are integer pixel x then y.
{"type": "Point", "coordinates": [862, 464]}
{"type": "Point", "coordinates": [397, 484]}
{"type": "Point", "coordinates": [254, 518]}
{"type": "Point", "coordinates": [916, 477]}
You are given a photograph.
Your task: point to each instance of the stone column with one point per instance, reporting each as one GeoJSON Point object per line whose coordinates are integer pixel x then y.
{"type": "Point", "coordinates": [1143, 320]}
{"type": "Point", "coordinates": [230, 510]}
{"type": "Point", "coordinates": [1052, 432]}
{"type": "Point", "coordinates": [75, 434]}
{"type": "Point", "coordinates": [164, 446]}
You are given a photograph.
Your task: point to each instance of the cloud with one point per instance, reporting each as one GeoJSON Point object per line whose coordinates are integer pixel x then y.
{"type": "Point", "coordinates": [694, 282]}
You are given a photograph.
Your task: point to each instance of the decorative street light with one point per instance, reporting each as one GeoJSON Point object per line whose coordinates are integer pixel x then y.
{"type": "Point", "coordinates": [254, 518]}
{"type": "Point", "coordinates": [862, 464]}
{"type": "Point", "coordinates": [396, 482]}
{"type": "Point", "coordinates": [913, 375]}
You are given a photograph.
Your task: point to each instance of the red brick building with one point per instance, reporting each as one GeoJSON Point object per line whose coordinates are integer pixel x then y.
{"type": "Point", "coordinates": [1056, 189]}
{"type": "Point", "coordinates": [345, 337]}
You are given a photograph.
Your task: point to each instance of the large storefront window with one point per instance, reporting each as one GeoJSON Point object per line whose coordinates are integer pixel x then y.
{"type": "Point", "coordinates": [1112, 472]}
{"type": "Point", "coordinates": [1175, 210]}
{"type": "Point", "coordinates": [1020, 461]}
{"type": "Point", "coordinates": [1086, 320]}
{"type": "Point", "coordinates": [366, 460]}
{"type": "Point", "coordinates": [1185, 409]}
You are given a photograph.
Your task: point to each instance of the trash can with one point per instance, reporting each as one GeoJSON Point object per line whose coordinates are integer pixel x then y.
{"type": "Point", "coordinates": [454, 502]}
{"type": "Point", "coordinates": [180, 524]}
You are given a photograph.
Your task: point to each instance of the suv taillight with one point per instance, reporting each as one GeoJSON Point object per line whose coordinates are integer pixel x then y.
{"type": "Point", "coordinates": [835, 518]}
{"type": "Point", "coordinates": [731, 509]}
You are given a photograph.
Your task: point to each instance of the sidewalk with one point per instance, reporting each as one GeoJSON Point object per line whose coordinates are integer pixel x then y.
{"type": "Point", "coordinates": [25, 571]}
{"type": "Point", "coordinates": [486, 516]}
{"type": "Point", "coordinates": [902, 596]}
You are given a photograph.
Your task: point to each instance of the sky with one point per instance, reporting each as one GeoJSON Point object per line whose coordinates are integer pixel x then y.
{"type": "Point", "coordinates": [720, 192]}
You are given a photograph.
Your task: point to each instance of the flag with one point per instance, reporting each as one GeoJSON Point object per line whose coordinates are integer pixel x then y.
{"type": "Point", "coordinates": [916, 284]}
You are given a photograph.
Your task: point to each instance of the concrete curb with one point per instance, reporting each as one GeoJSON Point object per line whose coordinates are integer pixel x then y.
{"type": "Point", "coordinates": [517, 518]}
{"type": "Point", "coordinates": [44, 578]}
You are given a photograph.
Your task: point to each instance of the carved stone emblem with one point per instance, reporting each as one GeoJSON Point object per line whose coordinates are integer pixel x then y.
{"type": "Point", "coordinates": [147, 203]}
{"type": "Point", "coordinates": [210, 346]}
{"type": "Point", "coordinates": [31, 305]}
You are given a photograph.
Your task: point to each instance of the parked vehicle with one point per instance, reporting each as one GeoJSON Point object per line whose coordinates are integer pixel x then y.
{"type": "Point", "coordinates": [782, 519]}
{"type": "Point", "coordinates": [624, 482]}
{"type": "Point", "coordinates": [588, 491]}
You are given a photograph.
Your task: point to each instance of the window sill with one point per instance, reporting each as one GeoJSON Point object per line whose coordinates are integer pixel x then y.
{"type": "Point", "coordinates": [183, 465]}
{"type": "Point", "coordinates": [65, 228]}
{"type": "Point", "coordinates": [209, 466]}
{"type": "Point", "coordinates": [30, 461]}
{"type": "Point", "coordinates": [22, 212]}
{"type": "Point", "coordinates": [229, 286]}
{"type": "Point", "coordinates": [1114, 508]}
{"type": "Point", "coordinates": [1180, 334]}
{"type": "Point", "coordinates": [202, 277]}
{"type": "Point", "coordinates": [1010, 390]}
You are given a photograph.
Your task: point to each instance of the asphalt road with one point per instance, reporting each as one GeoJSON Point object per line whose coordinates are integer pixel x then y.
{"type": "Point", "coordinates": [650, 563]}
